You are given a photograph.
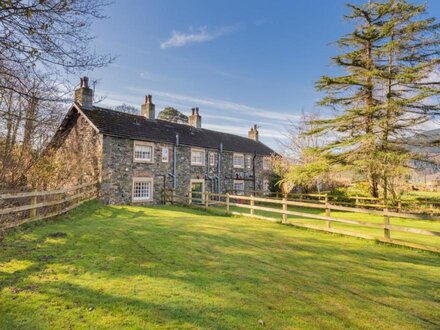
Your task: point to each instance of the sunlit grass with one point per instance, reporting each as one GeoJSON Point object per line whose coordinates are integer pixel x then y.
{"type": "Point", "coordinates": [429, 241]}
{"type": "Point", "coordinates": [170, 267]}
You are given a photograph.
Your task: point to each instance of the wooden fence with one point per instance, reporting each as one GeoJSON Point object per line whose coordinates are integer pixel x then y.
{"type": "Point", "coordinates": [23, 207]}
{"type": "Point", "coordinates": [417, 205]}
{"type": "Point", "coordinates": [284, 207]}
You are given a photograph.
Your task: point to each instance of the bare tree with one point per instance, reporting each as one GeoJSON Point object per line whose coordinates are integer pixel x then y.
{"type": "Point", "coordinates": [127, 109]}
{"type": "Point", "coordinates": [42, 43]}
{"type": "Point", "coordinates": [50, 36]}
{"type": "Point", "coordinates": [301, 166]}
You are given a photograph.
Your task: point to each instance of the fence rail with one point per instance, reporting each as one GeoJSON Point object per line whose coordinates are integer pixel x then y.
{"type": "Point", "coordinates": [419, 205]}
{"type": "Point", "coordinates": [236, 204]}
{"type": "Point", "coordinates": [23, 207]}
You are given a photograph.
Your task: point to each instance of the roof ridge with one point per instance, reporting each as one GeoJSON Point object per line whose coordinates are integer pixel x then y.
{"type": "Point", "coordinates": [137, 127]}
{"type": "Point", "coordinates": [173, 123]}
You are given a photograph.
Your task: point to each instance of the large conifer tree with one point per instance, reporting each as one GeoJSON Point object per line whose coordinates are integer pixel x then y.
{"type": "Point", "coordinates": [390, 62]}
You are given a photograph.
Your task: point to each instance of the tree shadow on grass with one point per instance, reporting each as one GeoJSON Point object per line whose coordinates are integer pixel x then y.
{"type": "Point", "coordinates": [202, 257]}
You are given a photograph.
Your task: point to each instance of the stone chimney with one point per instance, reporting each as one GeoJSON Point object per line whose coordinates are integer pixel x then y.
{"type": "Point", "coordinates": [195, 120]}
{"type": "Point", "coordinates": [148, 109]}
{"type": "Point", "coordinates": [84, 94]}
{"type": "Point", "coordinates": [253, 133]}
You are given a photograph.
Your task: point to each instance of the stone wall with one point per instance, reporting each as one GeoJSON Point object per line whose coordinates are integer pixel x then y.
{"type": "Point", "coordinates": [78, 154]}
{"type": "Point", "coordinates": [119, 171]}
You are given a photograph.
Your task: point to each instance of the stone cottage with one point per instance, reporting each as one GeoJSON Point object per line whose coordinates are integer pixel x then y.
{"type": "Point", "coordinates": [135, 157]}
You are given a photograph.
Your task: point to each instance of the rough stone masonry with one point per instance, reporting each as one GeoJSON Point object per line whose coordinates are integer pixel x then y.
{"type": "Point", "coordinates": [135, 157]}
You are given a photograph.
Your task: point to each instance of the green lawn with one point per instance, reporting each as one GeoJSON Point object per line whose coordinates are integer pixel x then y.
{"type": "Point", "coordinates": [429, 241]}
{"type": "Point", "coordinates": [170, 267]}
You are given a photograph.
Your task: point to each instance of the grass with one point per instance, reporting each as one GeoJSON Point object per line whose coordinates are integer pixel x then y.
{"type": "Point", "coordinates": [429, 241]}
{"type": "Point", "coordinates": [130, 267]}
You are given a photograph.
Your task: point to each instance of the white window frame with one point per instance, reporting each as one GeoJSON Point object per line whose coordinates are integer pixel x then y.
{"type": "Point", "coordinates": [202, 151]}
{"type": "Point", "coordinates": [212, 158]}
{"type": "Point", "coordinates": [165, 155]}
{"type": "Point", "coordinates": [248, 161]}
{"type": "Point", "coordinates": [266, 163]}
{"type": "Point", "coordinates": [236, 191]}
{"type": "Point", "coordinates": [233, 160]}
{"type": "Point", "coordinates": [142, 179]}
{"type": "Point", "coordinates": [266, 185]}
{"type": "Point", "coordinates": [143, 144]}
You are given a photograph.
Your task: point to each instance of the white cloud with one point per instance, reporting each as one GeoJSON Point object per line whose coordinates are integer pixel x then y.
{"type": "Point", "coordinates": [180, 39]}
{"type": "Point", "coordinates": [220, 115]}
{"type": "Point", "coordinates": [232, 107]}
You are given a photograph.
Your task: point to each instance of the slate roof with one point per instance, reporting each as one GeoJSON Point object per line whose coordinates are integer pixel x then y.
{"type": "Point", "coordinates": [120, 124]}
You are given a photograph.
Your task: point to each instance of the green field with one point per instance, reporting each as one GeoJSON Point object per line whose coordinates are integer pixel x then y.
{"type": "Point", "coordinates": [428, 241]}
{"type": "Point", "coordinates": [168, 267]}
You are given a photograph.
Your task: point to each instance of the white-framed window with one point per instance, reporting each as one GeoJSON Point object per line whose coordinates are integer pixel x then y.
{"type": "Point", "coordinates": [238, 187]}
{"type": "Point", "coordinates": [266, 163]}
{"type": "Point", "coordinates": [238, 160]}
{"type": "Point", "coordinates": [165, 155]}
{"type": "Point", "coordinates": [143, 152]}
{"type": "Point", "coordinates": [212, 156]}
{"type": "Point", "coordinates": [142, 189]}
{"type": "Point", "coordinates": [197, 157]}
{"type": "Point", "coordinates": [249, 161]}
{"type": "Point", "coordinates": [265, 185]}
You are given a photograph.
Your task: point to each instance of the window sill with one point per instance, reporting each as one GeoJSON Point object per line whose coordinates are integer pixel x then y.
{"type": "Point", "coordinates": [143, 200]}
{"type": "Point", "coordinates": [143, 161]}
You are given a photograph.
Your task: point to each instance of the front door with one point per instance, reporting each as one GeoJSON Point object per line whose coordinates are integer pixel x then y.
{"type": "Point", "coordinates": [197, 189]}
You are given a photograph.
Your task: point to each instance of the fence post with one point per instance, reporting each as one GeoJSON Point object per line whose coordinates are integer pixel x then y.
{"type": "Point", "coordinates": [252, 202]}
{"type": "Point", "coordinates": [81, 190]}
{"type": "Point", "coordinates": [327, 211]}
{"type": "Point", "coordinates": [284, 210]}
{"type": "Point", "coordinates": [227, 203]}
{"type": "Point", "coordinates": [399, 206]}
{"type": "Point", "coordinates": [59, 198]}
{"type": "Point", "coordinates": [190, 198]}
{"type": "Point", "coordinates": [386, 222]}
{"type": "Point", "coordinates": [206, 199]}
{"type": "Point", "coordinates": [33, 213]}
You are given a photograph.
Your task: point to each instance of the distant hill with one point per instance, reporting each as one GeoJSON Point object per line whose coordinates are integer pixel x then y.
{"type": "Point", "coordinates": [425, 142]}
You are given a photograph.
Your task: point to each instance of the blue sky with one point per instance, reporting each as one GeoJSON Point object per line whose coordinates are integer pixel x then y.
{"type": "Point", "coordinates": [241, 62]}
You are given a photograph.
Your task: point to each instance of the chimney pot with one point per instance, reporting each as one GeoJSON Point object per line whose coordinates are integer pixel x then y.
{"type": "Point", "coordinates": [253, 133]}
{"type": "Point", "coordinates": [148, 109]}
{"type": "Point", "coordinates": [83, 94]}
{"type": "Point", "coordinates": [195, 119]}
